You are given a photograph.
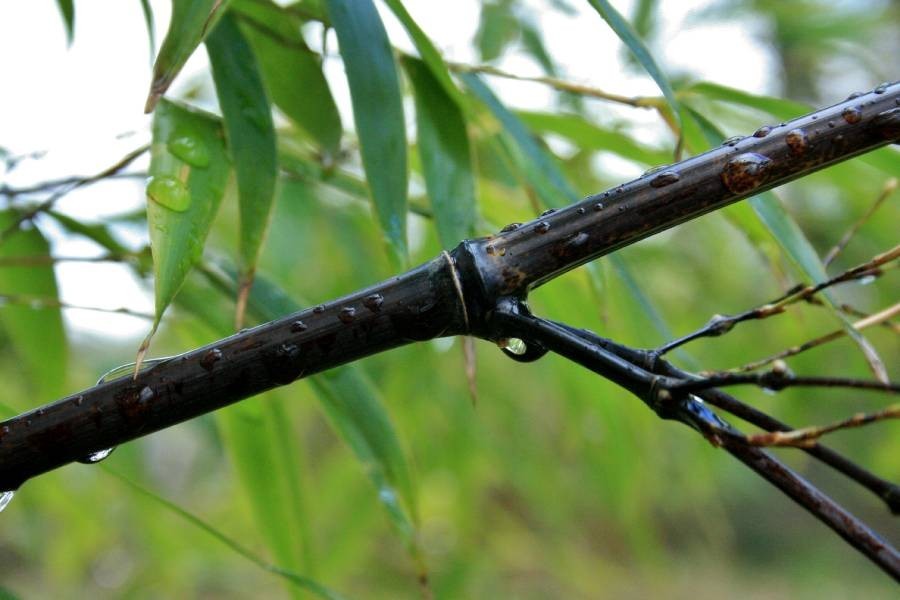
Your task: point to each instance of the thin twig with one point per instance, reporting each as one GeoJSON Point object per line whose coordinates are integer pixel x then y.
{"type": "Point", "coordinates": [41, 302]}
{"type": "Point", "coordinates": [46, 186]}
{"type": "Point", "coordinates": [721, 324]}
{"type": "Point", "coordinates": [886, 191]}
{"type": "Point", "coordinates": [557, 84]}
{"type": "Point", "coordinates": [808, 435]}
{"type": "Point", "coordinates": [876, 319]}
{"type": "Point", "coordinates": [47, 204]}
{"type": "Point", "coordinates": [778, 379]}
{"type": "Point", "coordinates": [46, 259]}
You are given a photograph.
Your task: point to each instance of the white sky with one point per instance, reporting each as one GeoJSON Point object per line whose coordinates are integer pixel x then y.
{"type": "Point", "coordinates": [74, 101]}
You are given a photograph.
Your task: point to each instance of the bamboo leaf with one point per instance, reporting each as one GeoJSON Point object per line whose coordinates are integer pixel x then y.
{"type": "Point", "coordinates": [798, 248]}
{"type": "Point", "coordinates": [446, 157]}
{"type": "Point", "coordinates": [97, 232]}
{"type": "Point", "coordinates": [191, 21]}
{"type": "Point", "coordinates": [377, 110]}
{"type": "Point", "coordinates": [251, 141]}
{"type": "Point", "coordinates": [427, 51]}
{"type": "Point", "coordinates": [36, 335]}
{"type": "Point", "coordinates": [630, 38]}
{"type": "Point", "coordinates": [777, 107]}
{"type": "Point", "coordinates": [292, 73]}
{"type": "Point", "coordinates": [188, 171]}
{"type": "Point", "coordinates": [551, 186]}
{"type": "Point", "coordinates": [588, 136]}
{"type": "Point", "coordinates": [67, 11]}
{"type": "Point", "coordinates": [358, 415]}
{"type": "Point", "coordinates": [148, 21]}
{"type": "Point", "coordinates": [301, 582]}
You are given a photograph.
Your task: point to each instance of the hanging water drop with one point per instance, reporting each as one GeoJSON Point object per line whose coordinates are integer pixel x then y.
{"type": "Point", "coordinates": [5, 498]}
{"type": "Point", "coordinates": [169, 192]}
{"type": "Point", "coordinates": [95, 457]}
{"type": "Point", "coordinates": [513, 346]}
{"type": "Point", "coordinates": [190, 150]}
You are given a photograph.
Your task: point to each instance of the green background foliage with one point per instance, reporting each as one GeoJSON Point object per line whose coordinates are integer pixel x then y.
{"type": "Point", "coordinates": [370, 479]}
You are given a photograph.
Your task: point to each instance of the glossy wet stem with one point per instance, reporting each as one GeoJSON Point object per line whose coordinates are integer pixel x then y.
{"type": "Point", "coordinates": [450, 295]}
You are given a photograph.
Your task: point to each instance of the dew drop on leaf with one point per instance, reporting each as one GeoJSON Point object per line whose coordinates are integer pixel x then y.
{"type": "Point", "coordinates": [169, 192]}
{"type": "Point", "coordinates": [190, 150]}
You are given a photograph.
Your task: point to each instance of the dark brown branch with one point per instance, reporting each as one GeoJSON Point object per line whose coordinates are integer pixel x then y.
{"type": "Point", "coordinates": [427, 302]}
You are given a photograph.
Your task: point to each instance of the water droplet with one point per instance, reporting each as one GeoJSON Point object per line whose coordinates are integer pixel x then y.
{"type": "Point", "coordinates": [854, 95]}
{"type": "Point", "coordinates": [745, 172]}
{"type": "Point", "coordinates": [298, 326]}
{"type": "Point", "coordinates": [373, 302]}
{"type": "Point", "coordinates": [797, 141]}
{"type": "Point", "coordinates": [146, 394]}
{"type": "Point", "coordinates": [95, 457]}
{"type": "Point", "coordinates": [510, 227]}
{"type": "Point", "coordinates": [128, 370]}
{"type": "Point", "coordinates": [549, 211]}
{"type": "Point", "coordinates": [598, 207]}
{"type": "Point", "coordinates": [211, 357]}
{"type": "Point", "coordinates": [5, 498]}
{"type": "Point", "coordinates": [542, 227]}
{"type": "Point", "coordinates": [347, 315]}
{"type": "Point", "coordinates": [882, 88]}
{"type": "Point", "coordinates": [867, 280]}
{"type": "Point", "coordinates": [852, 114]}
{"type": "Point", "coordinates": [580, 210]}
{"type": "Point", "coordinates": [732, 141]}
{"type": "Point", "coordinates": [665, 178]}
{"type": "Point", "coordinates": [653, 170]}
{"type": "Point", "coordinates": [831, 124]}
{"type": "Point", "coordinates": [489, 249]}
{"type": "Point", "coordinates": [169, 192]}
{"type": "Point", "coordinates": [514, 346]}
{"type": "Point", "coordinates": [190, 150]}
{"type": "Point", "coordinates": [762, 131]}
{"type": "Point", "coordinates": [319, 310]}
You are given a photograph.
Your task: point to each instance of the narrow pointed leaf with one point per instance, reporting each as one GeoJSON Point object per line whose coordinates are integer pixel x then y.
{"type": "Point", "coordinates": [188, 172]}
{"type": "Point", "coordinates": [446, 158]}
{"type": "Point", "coordinates": [798, 248]}
{"type": "Point", "coordinates": [304, 583]}
{"type": "Point", "coordinates": [292, 72]}
{"type": "Point", "coordinates": [353, 405]}
{"type": "Point", "coordinates": [36, 335]}
{"type": "Point", "coordinates": [427, 51]}
{"type": "Point", "coordinates": [191, 21]}
{"type": "Point", "coordinates": [67, 11]}
{"type": "Point", "coordinates": [633, 41]}
{"type": "Point", "coordinates": [550, 184]}
{"type": "Point", "coordinates": [377, 110]}
{"type": "Point", "coordinates": [251, 138]}
{"type": "Point", "coordinates": [151, 29]}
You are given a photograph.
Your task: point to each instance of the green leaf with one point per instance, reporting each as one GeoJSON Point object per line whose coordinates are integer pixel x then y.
{"type": "Point", "coordinates": [777, 107]}
{"type": "Point", "coordinates": [794, 242]}
{"type": "Point", "coordinates": [292, 72]}
{"type": "Point", "coordinates": [96, 232]}
{"type": "Point", "coordinates": [148, 21]}
{"type": "Point", "coordinates": [36, 334]}
{"type": "Point", "coordinates": [427, 51]}
{"type": "Point", "coordinates": [191, 21]}
{"type": "Point", "coordinates": [188, 172]}
{"type": "Point", "coordinates": [588, 136]}
{"type": "Point", "coordinates": [630, 38]}
{"type": "Point", "coordinates": [551, 186]}
{"type": "Point", "coordinates": [377, 110]}
{"type": "Point", "coordinates": [301, 582]}
{"type": "Point", "coordinates": [497, 29]}
{"type": "Point", "coordinates": [251, 138]}
{"type": "Point", "coordinates": [446, 157]}
{"type": "Point", "coordinates": [353, 405]}
{"type": "Point", "coordinates": [67, 11]}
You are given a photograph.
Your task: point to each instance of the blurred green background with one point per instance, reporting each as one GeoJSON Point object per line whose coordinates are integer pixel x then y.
{"type": "Point", "coordinates": [555, 483]}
